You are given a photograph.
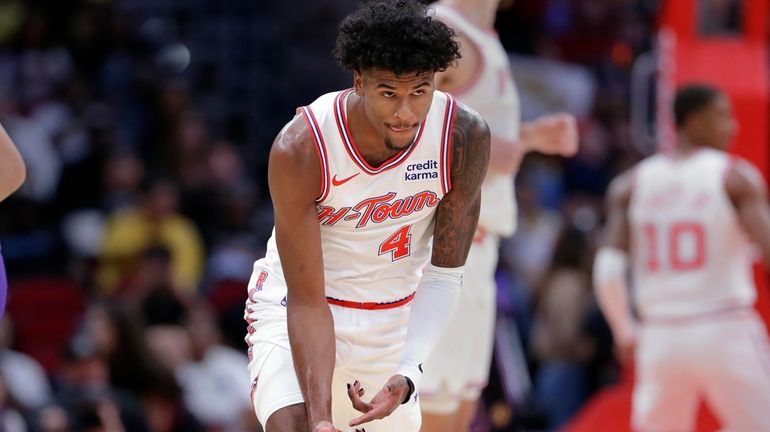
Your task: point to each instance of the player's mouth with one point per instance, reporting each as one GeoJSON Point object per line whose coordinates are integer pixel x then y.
{"type": "Point", "coordinates": [402, 129]}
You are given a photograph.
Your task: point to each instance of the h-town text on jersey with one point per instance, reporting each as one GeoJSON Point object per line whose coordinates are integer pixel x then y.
{"type": "Point", "coordinates": [378, 209]}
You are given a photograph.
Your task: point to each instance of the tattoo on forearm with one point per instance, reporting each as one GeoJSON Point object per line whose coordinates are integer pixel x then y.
{"type": "Point", "coordinates": [458, 213]}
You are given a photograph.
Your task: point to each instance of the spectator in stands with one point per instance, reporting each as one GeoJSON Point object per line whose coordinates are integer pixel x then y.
{"type": "Point", "coordinates": [156, 221]}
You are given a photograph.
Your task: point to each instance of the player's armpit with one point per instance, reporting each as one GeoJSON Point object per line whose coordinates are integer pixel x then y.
{"type": "Point", "coordinates": [294, 179]}
{"type": "Point", "coordinates": [747, 190]}
{"type": "Point", "coordinates": [458, 212]}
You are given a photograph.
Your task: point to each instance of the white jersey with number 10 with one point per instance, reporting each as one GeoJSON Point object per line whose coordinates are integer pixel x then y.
{"type": "Point", "coordinates": [690, 255]}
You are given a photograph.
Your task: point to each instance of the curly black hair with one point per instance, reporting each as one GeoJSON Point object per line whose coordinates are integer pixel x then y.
{"type": "Point", "coordinates": [395, 35]}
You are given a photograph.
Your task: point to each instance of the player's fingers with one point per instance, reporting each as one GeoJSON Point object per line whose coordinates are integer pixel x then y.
{"type": "Point", "coordinates": [358, 388]}
{"type": "Point", "coordinates": [358, 403]}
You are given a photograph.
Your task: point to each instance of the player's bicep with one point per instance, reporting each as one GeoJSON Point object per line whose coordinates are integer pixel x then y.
{"type": "Point", "coordinates": [458, 213]}
{"type": "Point", "coordinates": [294, 179]}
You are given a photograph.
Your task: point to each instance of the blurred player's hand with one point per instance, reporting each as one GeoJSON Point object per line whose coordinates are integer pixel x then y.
{"type": "Point", "coordinates": [552, 134]}
{"type": "Point", "coordinates": [382, 404]}
{"type": "Point", "coordinates": [325, 426]}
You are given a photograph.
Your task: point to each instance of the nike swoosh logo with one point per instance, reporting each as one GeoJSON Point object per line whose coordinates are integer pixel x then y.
{"type": "Point", "coordinates": [336, 182]}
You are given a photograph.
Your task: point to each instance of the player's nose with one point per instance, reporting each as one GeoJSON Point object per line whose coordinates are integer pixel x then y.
{"type": "Point", "coordinates": [404, 111]}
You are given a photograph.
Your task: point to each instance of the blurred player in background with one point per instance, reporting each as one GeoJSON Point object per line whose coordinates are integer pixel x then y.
{"type": "Point", "coordinates": [458, 370]}
{"type": "Point", "coordinates": [12, 174]}
{"type": "Point", "coordinates": [684, 221]}
{"type": "Point", "coordinates": [362, 182]}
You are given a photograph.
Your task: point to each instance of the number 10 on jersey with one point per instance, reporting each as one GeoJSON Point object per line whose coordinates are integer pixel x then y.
{"type": "Point", "coordinates": [675, 238]}
{"type": "Point", "coordinates": [398, 244]}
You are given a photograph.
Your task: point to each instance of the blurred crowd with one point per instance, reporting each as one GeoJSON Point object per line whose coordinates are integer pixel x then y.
{"type": "Point", "coordinates": [145, 126]}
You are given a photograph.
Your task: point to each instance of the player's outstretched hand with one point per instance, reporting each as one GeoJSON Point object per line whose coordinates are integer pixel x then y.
{"type": "Point", "coordinates": [325, 426]}
{"type": "Point", "coordinates": [382, 404]}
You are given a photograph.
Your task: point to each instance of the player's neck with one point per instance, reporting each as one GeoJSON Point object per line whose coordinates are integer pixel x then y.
{"type": "Point", "coordinates": [686, 147]}
{"type": "Point", "coordinates": [480, 12]}
{"type": "Point", "coordinates": [367, 140]}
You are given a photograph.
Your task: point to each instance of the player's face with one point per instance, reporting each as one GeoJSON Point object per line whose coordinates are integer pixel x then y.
{"type": "Point", "coordinates": [718, 123]}
{"type": "Point", "coordinates": [395, 105]}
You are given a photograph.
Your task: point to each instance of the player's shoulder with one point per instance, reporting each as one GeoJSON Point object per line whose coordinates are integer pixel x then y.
{"type": "Point", "coordinates": [294, 146]}
{"type": "Point", "coordinates": [621, 187]}
{"type": "Point", "coordinates": [742, 177]}
{"type": "Point", "coordinates": [297, 138]}
{"type": "Point", "coordinates": [469, 118]}
{"type": "Point", "coordinates": [471, 131]}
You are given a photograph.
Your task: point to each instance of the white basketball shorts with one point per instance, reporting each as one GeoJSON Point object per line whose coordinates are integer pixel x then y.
{"type": "Point", "coordinates": [369, 346]}
{"type": "Point", "coordinates": [723, 358]}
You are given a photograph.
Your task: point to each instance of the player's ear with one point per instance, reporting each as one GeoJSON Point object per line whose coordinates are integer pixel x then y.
{"type": "Point", "coordinates": [358, 83]}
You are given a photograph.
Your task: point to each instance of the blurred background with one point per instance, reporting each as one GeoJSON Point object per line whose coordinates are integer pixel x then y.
{"type": "Point", "coordinates": [145, 126]}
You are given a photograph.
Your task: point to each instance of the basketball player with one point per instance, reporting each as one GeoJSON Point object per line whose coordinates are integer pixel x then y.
{"type": "Point", "coordinates": [363, 182]}
{"type": "Point", "coordinates": [458, 369]}
{"type": "Point", "coordinates": [682, 222]}
{"type": "Point", "coordinates": [12, 175]}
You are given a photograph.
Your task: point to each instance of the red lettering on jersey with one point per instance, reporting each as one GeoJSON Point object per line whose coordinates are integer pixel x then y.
{"type": "Point", "coordinates": [329, 216]}
{"type": "Point", "coordinates": [368, 206]}
{"type": "Point", "coordinates": [378, 209]}
{"type": "Point", "coordinates": [261, 280]}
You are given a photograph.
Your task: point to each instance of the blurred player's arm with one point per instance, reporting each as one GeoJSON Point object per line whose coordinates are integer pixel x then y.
{"type": "Point", "coordinates": [12, 169]}
{"type": "Point", "coordinates": [611, 265]}
{"type": "Point", "coordinates": [553, 134]}
{"type": "Point", "coordinates": [438, 291]}
{"type": "Point", "coordinates": [748, 192]}
{"type": "Point", "coordinates": [294, 180]}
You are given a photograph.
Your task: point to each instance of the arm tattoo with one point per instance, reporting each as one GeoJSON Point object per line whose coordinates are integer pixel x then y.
{"type": "Point", "coordinates": [458, 213]}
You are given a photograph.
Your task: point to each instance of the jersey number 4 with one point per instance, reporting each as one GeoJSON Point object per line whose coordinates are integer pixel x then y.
{"type": "Point", "coordinates": [397, 243]}
{"type": "Point", "coordinates": [674, 239]}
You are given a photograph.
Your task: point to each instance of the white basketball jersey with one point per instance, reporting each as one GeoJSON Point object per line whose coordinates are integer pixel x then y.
{"type": "Point", "coordinates": [690, 254]}
{"type": "Point", "coordinates": [493, 94]}
{"type": "Point", "coordinates": [376, 223]}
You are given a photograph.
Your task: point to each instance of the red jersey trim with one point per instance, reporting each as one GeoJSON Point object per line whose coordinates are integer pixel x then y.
{"type": "Point", "coordinates": [320, 148]}
{"type": "Point", "coordinates": [352, 149]}
{"type": "Point", "coordinates": [446, 144]}
{"type": "Point", "coordinates": [370, 305]}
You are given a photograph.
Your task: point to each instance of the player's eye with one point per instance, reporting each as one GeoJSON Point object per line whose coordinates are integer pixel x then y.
{"type": "Point", "coordinates": [388, 94]}
{"type": "Point", "coordinates": [418, 92]}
